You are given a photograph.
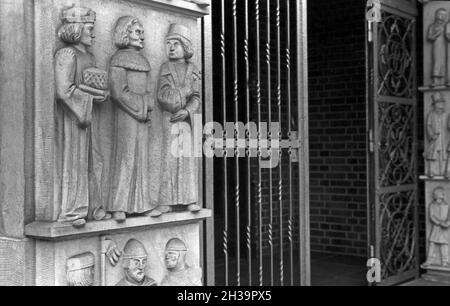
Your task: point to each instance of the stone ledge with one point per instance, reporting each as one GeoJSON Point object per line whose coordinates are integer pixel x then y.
{"type": "Point", "coordinates": [58, 231]}
{"type": "Point", "coordinates": [434, 179]}
{"type": "Point", "coordinates": [181, 6]}
{"type": "Point", "coordinates": [426, 89]}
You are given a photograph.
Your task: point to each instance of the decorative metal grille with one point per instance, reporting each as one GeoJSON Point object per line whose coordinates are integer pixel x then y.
{"type": "Point", "coordinates": [397, 156]}
{"type": "Point", "coordinates": [393, 191]}
{"type": "Point", "coordinates": [396, 71]}
{"type": "Point", "coordinates": [398, 237]}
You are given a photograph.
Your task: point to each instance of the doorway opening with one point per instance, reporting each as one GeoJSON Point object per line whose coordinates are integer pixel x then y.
{"type": "Point", "coordinates": [338, 142]}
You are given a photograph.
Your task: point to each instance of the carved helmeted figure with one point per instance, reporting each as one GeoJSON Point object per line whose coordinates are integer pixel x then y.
{"type": "Point", "coordinates": [131, 93]}
{"type": "Point", "coordinates": [134, 264]}
{"type": "Point", "coordinates": [179, 96]}
{"type": "Point", "coordinates": [178, 272]}
{"type": "Point", "coordinates": [437, 129]}
{"type": "Point", "coordinates": [80, 270]}
{"type": "Point", "coordinates": [436, 34]}
{"type": "Point", "coordinates": [74, 112]}
{"type": "Point", "coordinates": [439, 238]}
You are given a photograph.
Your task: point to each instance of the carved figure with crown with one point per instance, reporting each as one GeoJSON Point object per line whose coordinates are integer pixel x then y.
{"type": "Point", "coordinates": [77, 190]}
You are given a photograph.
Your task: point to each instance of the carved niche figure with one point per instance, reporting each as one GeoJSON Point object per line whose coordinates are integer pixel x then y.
{"type": "Point", "coordinates": [77, 154]}
{"type": "Point", "coordinates": [178, 272]}
{"type": "Point", "coordinates": [80, 270]}
{"type": "Point", "coordinates": [436, 154]}
{"type": "Point", "coordinates": [132, 95]}
{"type": "Point", "coordinates": [179, 95]}
{"type": "Point", "coordinates": [436, 34]}
{"type": "Point", "coordinates": [440, 220]}
{"type": "Point", "coordinates": [135, 264]}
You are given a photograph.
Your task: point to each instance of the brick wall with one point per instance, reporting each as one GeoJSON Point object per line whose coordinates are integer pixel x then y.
{"type": "Point", "coordinates": [337, 126]}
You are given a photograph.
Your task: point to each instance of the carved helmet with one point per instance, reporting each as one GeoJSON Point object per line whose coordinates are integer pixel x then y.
{"type": "Point", "coordinates": [78, 15]}
{"type": "Point", "coordinates": [176, 244]}
{"type": "Point", "coordinates": [134, 249]}
{"type": "Point", "coordinates": [180, 32]}
{"type": "Point", "coordinates": [80, 262]}
{"type": "Point", "coordinates": [437, 97]}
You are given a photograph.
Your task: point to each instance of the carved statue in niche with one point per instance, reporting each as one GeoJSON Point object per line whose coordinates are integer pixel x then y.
{"type": "Point", "coordinates": [439, 238]}
{"type": "Point", "coordinates": [436, 154]}
{"type": "Point", "coordinates": [179, 95]}
{"type": "Point", "coordinates": [133, 98]}
{"type": "Point", "coordinates": [178, 272]}
{"type": "Point", "coordinates": [436, 35]}
{"type": "Point", "coordinates": [76, 146]}
{"type": "Point", "coordinates": [134, 265]}
{"type": "Point", "coordinates": [80, 270]}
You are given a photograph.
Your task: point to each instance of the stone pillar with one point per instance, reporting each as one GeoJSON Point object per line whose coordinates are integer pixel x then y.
{"type": "Point", "coordinates": [437, 138]}
{"type": "Point", "coordinates": [15, 136]}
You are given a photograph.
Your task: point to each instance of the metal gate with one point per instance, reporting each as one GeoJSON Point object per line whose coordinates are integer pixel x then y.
{"type": "Point", "coordinates": [392, 118]}
{"type": "Point", "coordinates": [261, 212]}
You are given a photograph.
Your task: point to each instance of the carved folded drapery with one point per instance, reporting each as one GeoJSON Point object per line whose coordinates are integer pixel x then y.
{"type": "Point", "coordinates": [178, 89]}
{"type": "Point", "coordinates": [132, 95]}
{"type": "Point", "coordinates": [73, 117]}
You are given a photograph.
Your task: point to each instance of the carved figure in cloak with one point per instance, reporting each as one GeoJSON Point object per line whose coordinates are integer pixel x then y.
{"type": "Point", "coordinates": [80, 270]}
{"type": "Point", "coordinates": [179, 96]}
{"type": "Point", "coordinates": [79, 161]}
{"type": "Point", "coordinates": [135, 264]}
{"type": "Point", "coordinates": [132, 96]}
{"type": "Point", "coordinates": [178, 272]}
{"type": "Point", "coordinates": [437, 36]}
{"type": "Point", "coordinates": [436, 129]}
{"type": "Point", "coordinates": [439, 238]}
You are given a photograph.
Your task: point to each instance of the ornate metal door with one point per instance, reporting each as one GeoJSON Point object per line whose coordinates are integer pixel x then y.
{"type": "Point", "coordinates": [392, 120]}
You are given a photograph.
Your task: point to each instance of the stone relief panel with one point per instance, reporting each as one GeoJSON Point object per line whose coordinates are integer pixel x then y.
{"type": "Point", "coordinates": [438, 225]}
{"type": "Point", "coordinates": [130, 258]}
{"type": "Point", "coordinates": [153, 258]}
{"type": "Point", "coordinates": [436, 43]}
{"type": "Point", "coordinates": [438, 137]}
{"type": "Point", "coordinates": [116, 118]}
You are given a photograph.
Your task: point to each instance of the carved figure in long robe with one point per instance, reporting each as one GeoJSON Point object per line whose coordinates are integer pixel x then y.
{"type": "Point", "coordinates": [439, 237]}
{"type": "Point", "coordinates": [436, 130]}
{"type": "Point", "coordinates": [179, 96]}
{"type": "Point", "coordinates": [437, 35]}
{"type": "Point", "coordinates": [133, 99]}
{"type": "Point", "coordinates": [74, 145]}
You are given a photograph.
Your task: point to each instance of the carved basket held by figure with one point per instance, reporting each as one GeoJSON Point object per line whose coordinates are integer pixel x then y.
{"type": "Point", "coordinates": [95, 78]}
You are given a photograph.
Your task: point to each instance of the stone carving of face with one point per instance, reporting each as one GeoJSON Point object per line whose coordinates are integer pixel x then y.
{"type": "Point", "coordinates": [440, 107]}
{"type": "Point", "coordinates": [87, 37]}
{"type": "Point", "coordinates": [439, 196]}
{"type": "Point", "coordinates": [136, 269]}
{"type": "Point", "coordinates": [441, 16]}
{"type": "Point", "coordinates": [137, 36]}
{"type": "Point", "coordinates": [172, 258]}
{"type": "Point", "coordinates": [175, 50]}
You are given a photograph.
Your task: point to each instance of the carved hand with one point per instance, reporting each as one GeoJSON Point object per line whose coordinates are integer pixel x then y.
{"type": "Point", "coordinates": [180, 116]}
{"type": "Point", "coordinates": [113, 253]}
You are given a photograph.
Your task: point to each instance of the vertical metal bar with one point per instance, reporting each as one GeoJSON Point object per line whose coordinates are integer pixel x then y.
{"type": "Point", "coordinates": [302, 81]}
{"type": "Point", "coordinates": [269, 106]}
{"type": "Point", "coordinates": [280, 117]}
{"type": "Point", "coordinates": [225, 170]}
{"type": "Point", "coordinates": [236, 137]}
{"type": "Point", "coordinates": [289, 103]}
{"type": "Point", "coordinates": [249, 166]}
{"type": "Point", "coordinates": [258, 101]}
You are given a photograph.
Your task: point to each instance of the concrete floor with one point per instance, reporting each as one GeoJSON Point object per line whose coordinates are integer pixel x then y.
{"type": "Point", "coordinates": [336, 270]}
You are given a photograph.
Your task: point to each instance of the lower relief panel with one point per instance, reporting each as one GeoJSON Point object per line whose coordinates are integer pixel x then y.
{"type": "Point", "coordinates": [166, 256]}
